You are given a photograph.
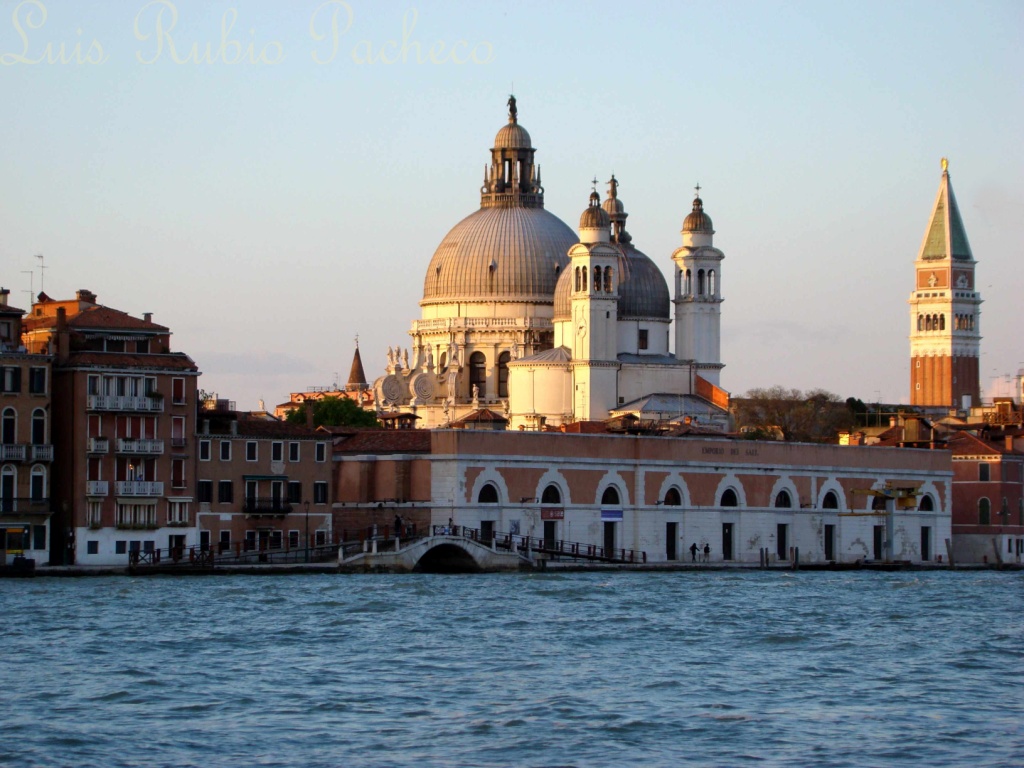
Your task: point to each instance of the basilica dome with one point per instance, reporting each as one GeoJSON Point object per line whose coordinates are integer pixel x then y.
{"type": "Point", "coordinates": [500, 253]}
{"type": "Point", "coordinates": [643, 291]}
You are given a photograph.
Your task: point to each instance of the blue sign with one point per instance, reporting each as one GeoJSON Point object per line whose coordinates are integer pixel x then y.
{"type": "Point", "coordinates": [611, 515]}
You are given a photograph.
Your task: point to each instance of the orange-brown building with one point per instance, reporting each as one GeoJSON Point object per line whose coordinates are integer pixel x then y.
{"type": "Point", "coordinates": [26, 451]}
{"type": "Point", "coordinates": [123, 417]}
{"type": "Point", "coordinates": [262, 484]}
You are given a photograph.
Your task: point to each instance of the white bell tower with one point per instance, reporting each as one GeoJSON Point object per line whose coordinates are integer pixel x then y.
{"type": "Point", "coordinates": [698, 296]}
{"type": "Point", "coordinates": [594, 262]}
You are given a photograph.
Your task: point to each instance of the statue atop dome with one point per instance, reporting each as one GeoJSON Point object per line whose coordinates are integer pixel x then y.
{"type": "Point", "coordinates": [513, 113]}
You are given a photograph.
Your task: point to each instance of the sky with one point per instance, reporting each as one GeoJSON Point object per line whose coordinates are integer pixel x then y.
{"type": "Point", "coordinates": [271, 179]}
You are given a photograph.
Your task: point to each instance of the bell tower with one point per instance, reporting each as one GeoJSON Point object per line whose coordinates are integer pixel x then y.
{"type": "Point", "coordinates": [945, 311]}
{"type": "Point", "coordinates": [698, 295]}
{"type": "Point", "coordinates": [594, 262]}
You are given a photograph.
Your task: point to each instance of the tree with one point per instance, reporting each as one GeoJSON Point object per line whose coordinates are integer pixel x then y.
{"type": "Point", "coordinates": [334, 412]}
{"type": "Point", "coordinates": [814, 416]}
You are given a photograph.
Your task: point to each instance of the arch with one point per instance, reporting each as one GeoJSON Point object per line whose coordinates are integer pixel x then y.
{"type": "Point", "coordinates": [38, 427]}
{"type": "Point", "coordinates": [688, 283]}
{"type": "Point", "coordinates": [610, 497]}
{"type": "Point", "coordinates": [8, 487]}
{"type": "Point", "coordinates": [984, 511]}
{"type": "Point", "coordinates": [783, 500]}
{"type": "Point", "coordinates": [609, 275]}
{"type": "Point", "coordinates": [942, 321]}
{"type": "Point", "coordinates": [700, 282]}
{"type": "Point", "coordinates": [442, 361]}
{"type": "Point", "coordinates": [552, 495]}
{"type": "Point", "coordinates": [583, 280]}
{"type": "Point", "coordinates": [597, 279]}
{"type": "Point", "coordinates": [920, 322]}
{"type": "Point", "coordinates": [928, 322]}
{"type": "Point", "coordinates": [9, 427]}
{"type": "Point", "coordinates": [447, 558]}
{"type": "Point", "coordinates": [926, 504]}
{"type": "Point", "coordinates": [503, 360]}
{"type": "Point", "coordinates": [577, 283]}
{"type": "Point", "coordinates": [553, 478]}
{"type": "Point", "coordinates": [830, 501]}
{"type": "Point", "coordinates": [675, 482]}
{"type": "Point", "coordinates": [494, 479]}
{"type": "Point", "coordinates": [673, 498]}
{"type": "Point", "coordinates": [729, 498]}
{"type": "Point", "coordinates": [37, 483]}
{"type": "Point", "coordinates": [488, 494]}
{"type": "Point", "coordinates": [478, 373]}
{"type": "Point", "coordinates": [617, 485]}
{"type": "Point", "coordinates": [712, 283]}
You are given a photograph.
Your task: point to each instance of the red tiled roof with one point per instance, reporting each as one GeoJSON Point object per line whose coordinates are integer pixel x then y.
{"type": "Point", "coordinates": [105, 318]}
{"type": "Point", "coordinates": [385, 441]}
{"type": "Point", "coordinates": [177, 361]}
{"type": "Point", "coordinates": [966, 444]}
{"type": "Point", "coordinates": [482, 415]}
{"type": "Point", "coordinates": [270, 428]}
{"type": "Point", "coordinates": [7, 309]}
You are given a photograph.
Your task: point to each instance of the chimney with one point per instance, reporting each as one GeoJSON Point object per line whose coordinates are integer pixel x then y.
{"type": "Point", "coordinates": [234, 427]}
{"type": "Point", "coordinates": [147, 317]}
{"type": "Point", "coordinates": [4, 293]}
{"type": "Point", "coordinates": [63, 336]}
{"type": "Point", "coordinates": [1009, 443]}
{"type": "Point", "coordinates": [86, 297]}
{"type": "Point", "coordinates": [206, 426]}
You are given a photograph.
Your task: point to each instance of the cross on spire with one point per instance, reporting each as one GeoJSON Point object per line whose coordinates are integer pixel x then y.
{"type": "Point", "coordinates": [698, 189]}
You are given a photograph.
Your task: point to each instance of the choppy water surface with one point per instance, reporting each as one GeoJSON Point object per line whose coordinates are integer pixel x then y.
{"type": "Point", "coordinates": [588, 669]}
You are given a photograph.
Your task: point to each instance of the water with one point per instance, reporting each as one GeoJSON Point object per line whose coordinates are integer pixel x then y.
{"type": "Point", "coordinates": [591, 669]}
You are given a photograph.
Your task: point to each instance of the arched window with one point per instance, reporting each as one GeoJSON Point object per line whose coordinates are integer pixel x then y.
{"type": "Point", "coordinates": [37, 489]}
{"type": "Point", "coordinates": [8, 486]}
{"type": "Point", "coordinates": [610, 497]}
{"type": "Point", "coordinates": [597, 279]}
{"type": "Point", "coordinates": [729, 498]}
{"type": "Point", "coordinates": [9, 430]}
{"type": "Point", "coordinates": [920, 322]}
{"type": "Point", "coordinates": [478, 373]}
{"type": "Point", "coordinates": [583, 280]}
{"type": "Point", "coordinates": [712, 282]}
{"type": "Point", "coordinates": [984, 512]}
{"type": "Point", "coordinates": [443, 361]}
{"type": "Point", "coordinates": [926, 504]}
{"type": "Point", "coordinates": [608, 275]}
{"type": "Point", "coordinates": [688, 283]}
{"type": "Point", "coordinates": [38, 427]}
{"type": "Point", "coordinates": [942, 322]}
{"type": "Point", "coordinates": [831, 501]}
{"type": "Point", "coordinates": [783, 500]}
{"type": "Point", "coordinates": [577, 289]}
{"type": "Point", "coordinates": [551, 495]}
{"type": "Point", "coordinates": [700, 282]}
{"type": "Point", "coordinates": [503, 360]}
{"type": "Point", "coordinates": [928, 322]}
{"type": "Point", "coordinates": [488, 495]}
{"type": "Point", "coordinates": [672, 498]}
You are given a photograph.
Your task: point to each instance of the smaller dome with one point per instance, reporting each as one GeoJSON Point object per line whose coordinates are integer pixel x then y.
{"type": "Point", "coordinates": [512, 136]}
{"type": "Point", "coordinates": [612, 206]}
{"type": "Point", "coordinates": [697, 220]}
{"type": "Point", "coordinates": [594, 217]}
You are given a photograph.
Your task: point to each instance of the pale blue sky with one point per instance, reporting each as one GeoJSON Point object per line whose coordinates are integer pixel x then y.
{"type": "Point", "coordinates": [269, 212]}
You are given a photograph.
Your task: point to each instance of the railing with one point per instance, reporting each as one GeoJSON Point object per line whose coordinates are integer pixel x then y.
{"type": "Point", "coordinates": [142, 446]}
{"type": "Point", "coordinates": [267, 507]}
{"type": "Point", "coordinates": [42, 452]}
{"type": "Point", "coordinates": [138, 488]}
{"type": "Point", "coordinates": [552, 547]}
{"type": "Point", "coordinates": [12, 452]}
{"type": "Point", "coordinates": [125, 403]}
{"type": "Point", "coordinates": [99, 445]}
{"type": "Point", "coordinates": [96, 488]}
{"type": "Point", "coordinates": [178, 442]}
{"type": "Point", "coordinates": [21, 505]}
{"type": "Point", "coordinates": [238, 553]}
{"type": "Point", "coordinates": [482, 322]}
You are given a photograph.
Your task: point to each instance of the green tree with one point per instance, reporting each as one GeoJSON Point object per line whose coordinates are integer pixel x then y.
{"type": "Point", "coordinates": [334, 412]}
{"type": "Point", "coordinates": [814, 416]}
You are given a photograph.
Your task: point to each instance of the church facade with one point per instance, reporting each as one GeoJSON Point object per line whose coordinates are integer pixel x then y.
{"type": "Point", "coordinates": [523, 315]}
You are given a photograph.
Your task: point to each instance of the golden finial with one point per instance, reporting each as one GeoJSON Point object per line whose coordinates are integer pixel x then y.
{"type": "Point", "coordinates": [945, 165]}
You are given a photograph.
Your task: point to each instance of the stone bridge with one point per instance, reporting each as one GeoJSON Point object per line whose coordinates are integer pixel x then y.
{"type": "Point", "coordinates": [440, 553]}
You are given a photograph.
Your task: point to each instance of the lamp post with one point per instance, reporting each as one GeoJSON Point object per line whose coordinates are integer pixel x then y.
{"type": "Point", "coordinates": [306, 505]}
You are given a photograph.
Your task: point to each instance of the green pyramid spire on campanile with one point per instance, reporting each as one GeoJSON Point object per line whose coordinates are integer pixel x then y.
{"type": "Point", "coordinates": [945, 237]}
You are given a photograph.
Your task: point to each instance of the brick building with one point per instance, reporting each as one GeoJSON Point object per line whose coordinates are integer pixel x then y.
{"type": "Point", "coordinates": [26, 450]}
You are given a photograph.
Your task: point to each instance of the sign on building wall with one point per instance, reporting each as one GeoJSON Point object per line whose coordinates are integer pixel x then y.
{"type": "Point", "coordinates": [611, 515]}
{"type": "Point", "coordinates": [552, 514]}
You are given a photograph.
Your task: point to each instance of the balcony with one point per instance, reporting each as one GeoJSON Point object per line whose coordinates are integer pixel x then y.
{"type": "Point", "coordinates": [99, 445]}
{"type": "Point", "coordinates": [125, 403]}
{"type": "Point", "coordinates": [268, 507]}
{"type": "Point", "coordinates": [25, 507]}
{"type": "Point", "coordinates": [42, 453]}
{"type": "Point", "coordinates": [96, 488]}
{"type": "Point", "coordinates": [12, 452]}
{"type": "Point", "coordinates": [138, 488]}
{"type": "Point", "coordinates": [143, 447]}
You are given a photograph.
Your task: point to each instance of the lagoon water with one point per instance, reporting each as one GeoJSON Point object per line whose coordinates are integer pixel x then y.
{"type": "Point", "coordinates": [579, 669]}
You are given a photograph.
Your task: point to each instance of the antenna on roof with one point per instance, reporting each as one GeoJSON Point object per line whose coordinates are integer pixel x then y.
{"type": "Point", "coordinates": [31, 283]}
{"type": "Point", "coordinates": [42, 275]}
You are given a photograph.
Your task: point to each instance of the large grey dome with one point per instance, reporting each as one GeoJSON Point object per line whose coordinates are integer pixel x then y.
{"type": "Point", "coordinates": [500, 253]}
{"type": "Point", "coordinates": [643, 292]}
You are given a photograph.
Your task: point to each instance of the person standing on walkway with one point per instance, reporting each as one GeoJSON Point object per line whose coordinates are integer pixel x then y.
{"type": "Point", "coordinates": [693, 552]}
{"type": "Point", "coordinates": [707, 553]}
